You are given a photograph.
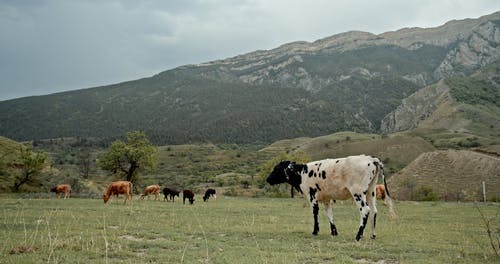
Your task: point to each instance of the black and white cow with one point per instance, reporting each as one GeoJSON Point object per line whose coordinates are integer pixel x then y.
{"type": "Point", "coordinates": [336, 179]}
{"type": "Point", "coordinates": [209, 193]}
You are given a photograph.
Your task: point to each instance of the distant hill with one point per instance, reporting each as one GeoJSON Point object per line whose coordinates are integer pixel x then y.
{"type": "Point", "coordinates": [346, 82]}
{"type": "Point", "coordinates": [453, 175]}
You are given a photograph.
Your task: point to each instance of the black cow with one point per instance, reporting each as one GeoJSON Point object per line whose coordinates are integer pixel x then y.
{"type": "Point", "coordinates": [187, 194]}
{"type": "Point", "coordinates": [209, 193]}
{"type": "Point", "coordinates": [170, 192]}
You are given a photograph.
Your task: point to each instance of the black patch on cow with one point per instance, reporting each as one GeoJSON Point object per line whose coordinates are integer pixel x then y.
{"type": "Point", "coordinates": [294, 177]}
{"type": "Point", "coordinates": [357, 197]}
{"type": "Point", "coordinates": [362, 204]}
{"type": "Point", "coordinates": [373, 172]}
{"type": "Point", "coordinates": [315, 214]}
{"type": "Point", "coordinates": [362, 227]}
{"type": "Point", "coordinates": [323, 175]}
{"type": "Point", "coordinates": [312, 194]}
{"type": "Point", "coordinates": [315, 175]}
{"type": "Point", "coordinates": [365, 192]}
{"type": "Point", "coordinates": [373, 194]}
{"type": "Point", "coordinates": [311, 173]}
{"type": "Point", "coordinates": [337, 161]}
{"type": "Point", "coordinates": [368, 164]}
{"type": "Point", "coordinates": [317, 187]}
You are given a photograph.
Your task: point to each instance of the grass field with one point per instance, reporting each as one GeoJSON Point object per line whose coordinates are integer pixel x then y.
{"type": "Point", "coordinates": [237, 230]}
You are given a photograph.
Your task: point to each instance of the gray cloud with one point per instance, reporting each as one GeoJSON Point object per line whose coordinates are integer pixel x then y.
{"type": "Point", "coordinates": [58, 45]}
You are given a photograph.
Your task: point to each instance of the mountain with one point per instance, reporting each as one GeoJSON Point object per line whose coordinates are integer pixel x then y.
{"type": "Point", "coordinates": [349, 81]}
{"type": "Point", "coordinates": [466, 104]}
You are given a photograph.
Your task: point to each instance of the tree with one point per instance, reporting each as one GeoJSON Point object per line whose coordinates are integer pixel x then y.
{"type": "Point", "coordinates": [129, 157]}
{"type": "Point", "coordinates": [31, 165]}
{"type": "Point", "coordinates": [84, 161]}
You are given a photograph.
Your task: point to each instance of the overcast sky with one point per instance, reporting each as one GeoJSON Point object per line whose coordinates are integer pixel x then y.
{"type": "Point", "coordinates": [53, 46]}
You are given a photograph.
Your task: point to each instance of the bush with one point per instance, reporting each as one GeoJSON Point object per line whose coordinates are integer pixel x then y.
{"type": "Point", "coordinates": [425, 193]}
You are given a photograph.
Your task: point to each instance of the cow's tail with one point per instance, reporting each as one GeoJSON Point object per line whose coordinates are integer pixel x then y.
{"type": "Point", "coordinates": [388, 199]}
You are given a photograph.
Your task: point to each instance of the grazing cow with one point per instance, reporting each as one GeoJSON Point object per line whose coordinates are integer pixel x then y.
{"type": "Point", "coordinates": [209, 193]}
{"type": "Point", "coordinates": [336, 179]}
{"type": "Point", "coordinates": [119, 187]}
{"type": "Point", "coordinates": [187, 194]}
{"type": "Point", "coordinates": [380, 191]}
{"type": "Point", "coordinates": [60, 189]}
{"type": "Point", "coordinates": [151, 189]}
{"type": "Point", "coordinates": [170, 192]}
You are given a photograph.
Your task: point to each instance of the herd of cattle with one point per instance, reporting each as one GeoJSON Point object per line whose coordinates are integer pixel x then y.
{"type": "Point", "coordinates": [125, 188]}
{"type": "Point", "coordinates": [325, 181]}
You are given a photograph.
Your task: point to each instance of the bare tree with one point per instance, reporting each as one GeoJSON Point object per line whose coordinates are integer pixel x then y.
{"type": "Point", "coordinates": [84, 160]}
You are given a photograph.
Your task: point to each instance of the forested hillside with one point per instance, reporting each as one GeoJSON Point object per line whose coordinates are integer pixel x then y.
{"type": "Point", "coordinates": [349, 81]}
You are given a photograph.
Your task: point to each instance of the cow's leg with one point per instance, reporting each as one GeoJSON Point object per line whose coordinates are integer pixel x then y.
{"type": "Point", "coordinates": [315, 209]}
{"type": "Point", "coordinates": [329, 213]}
{"type": "Point", "coordinates": [364, 212]}
{"type": "Point", "coordinates": [372, 203]}
{"type": "Point", "coordinates": [128, 196]}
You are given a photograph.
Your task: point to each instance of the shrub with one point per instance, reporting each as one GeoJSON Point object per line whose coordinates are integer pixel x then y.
{"type": "Point", "coordinates": [425, 193]}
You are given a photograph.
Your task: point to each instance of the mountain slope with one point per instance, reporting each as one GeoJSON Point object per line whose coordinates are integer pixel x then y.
{"type": "Point", "coordinates": [349, 81]}
{"type": "Point", "coordinates": [453, 175]}
{"type": "Point", "coordinates": [467, 104]}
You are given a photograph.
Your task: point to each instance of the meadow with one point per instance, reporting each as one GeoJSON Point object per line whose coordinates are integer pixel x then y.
{"type": "Point", "coordinates": [237, 230]}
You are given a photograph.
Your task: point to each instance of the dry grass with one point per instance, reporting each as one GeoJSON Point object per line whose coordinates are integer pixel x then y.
{"type": "Point", "coordinates": [236, 230]}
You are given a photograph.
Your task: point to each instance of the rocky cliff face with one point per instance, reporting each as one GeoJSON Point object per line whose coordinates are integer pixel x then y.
{"type": "Point", "coordinates": [469, 44]}
{"type": "Point", "coordinates": [416, 108]}
{"type": "Point", "coordinates": [478, 49]}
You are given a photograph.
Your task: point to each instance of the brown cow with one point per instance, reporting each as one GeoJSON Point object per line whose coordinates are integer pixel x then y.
{"type": "Point", "coordinates": [62, 188]}
{"type": "Point", "coordinates": [380, 190]}
{"type": "Point", "coordinates": [119, 187]}
{"type": "Point", "coordinates": [151, 189]}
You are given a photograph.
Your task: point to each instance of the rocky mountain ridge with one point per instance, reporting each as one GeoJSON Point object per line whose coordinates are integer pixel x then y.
{"type": "Point", "coordinates": [346, 82]}
{"type": "Point", "coordinates": [475, 45]}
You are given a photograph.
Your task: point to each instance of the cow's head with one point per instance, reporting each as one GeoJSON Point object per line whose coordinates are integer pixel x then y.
{"type": "Point", "coordinates": [105, 198]}
{"type": "Point", "coordinates": [287, 171]}
{"type": "Point", "coordinates": [278, 175]}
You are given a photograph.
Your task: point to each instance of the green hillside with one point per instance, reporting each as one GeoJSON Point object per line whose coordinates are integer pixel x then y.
{"type": "Point", "coordinates": [346, 82]}
{"type": "Point", "coordinates": [182, 106]}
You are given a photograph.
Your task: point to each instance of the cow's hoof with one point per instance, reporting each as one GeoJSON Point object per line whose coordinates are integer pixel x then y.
{"type": "Point", "coordinates": [335, 233]}
{"type": "Point", "coordinates": [373, 236]}
{"type": "Point", "coordinates": [358, 237]}
{"type": "Point", "coordinates": [314, 233]}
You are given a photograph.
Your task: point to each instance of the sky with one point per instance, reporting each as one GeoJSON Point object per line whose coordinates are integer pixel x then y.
{"type": "Point", "coordinates": [49, 46]}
